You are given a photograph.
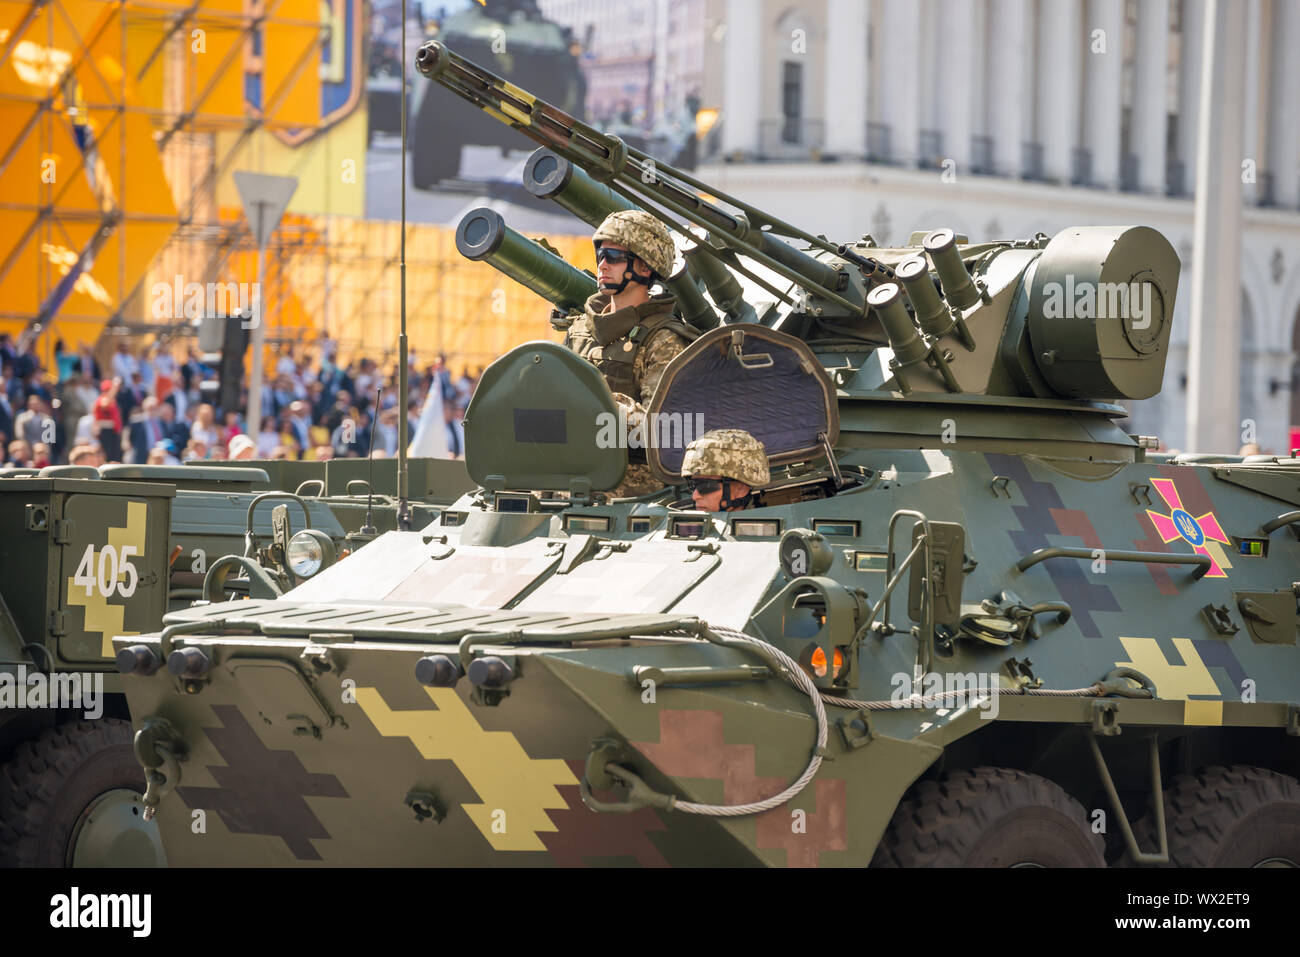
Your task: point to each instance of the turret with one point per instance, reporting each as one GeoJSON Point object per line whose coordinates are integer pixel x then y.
{"type": "Point", "coordinates": [1050, 329]}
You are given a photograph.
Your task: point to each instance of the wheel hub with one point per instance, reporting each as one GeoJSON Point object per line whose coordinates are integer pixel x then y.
{"type": "Point", "coordinates": [112, 832]}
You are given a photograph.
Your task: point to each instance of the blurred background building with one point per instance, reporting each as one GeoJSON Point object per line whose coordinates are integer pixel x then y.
{"type": "Point", "coordinates": [1043, 114]}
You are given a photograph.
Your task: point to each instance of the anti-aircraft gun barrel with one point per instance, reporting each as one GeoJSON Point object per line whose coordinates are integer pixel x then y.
{"type": "Point", "coordinates": [548, 175]}
{"type": "Point", "coordinates": [694, 307]}
{"type": "Point", "coordinates": [483, 235]}
{"type": "Point", "coordinates": [628, 171]}
{"type": "Point", "coordinates": [721, 283]}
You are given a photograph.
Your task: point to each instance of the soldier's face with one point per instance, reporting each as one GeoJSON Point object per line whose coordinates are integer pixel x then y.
{"type": "Point", "coordinates": [611, 273]}
{"type": "Point", "coordinates": [712, 501]}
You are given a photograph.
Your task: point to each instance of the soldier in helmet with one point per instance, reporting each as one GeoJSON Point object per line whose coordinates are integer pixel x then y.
{"type": "Point", "coordinates": [626, 333]}
{"type": "Point", "coordinates": [726, 467]}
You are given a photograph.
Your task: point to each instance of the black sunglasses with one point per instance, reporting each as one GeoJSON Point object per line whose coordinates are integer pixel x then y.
{"type": "Point", "coordinates": [612, 255]}
{"type": "Point", "coordinates": [704, 486]}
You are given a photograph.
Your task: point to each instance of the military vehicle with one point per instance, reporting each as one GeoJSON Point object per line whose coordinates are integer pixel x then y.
{"type": "Point", "coordinates": [522, 45]}
{"type": "Point", "coordinates": [968, 622]}
{"type": "Point", "coordinates": [91, 553]}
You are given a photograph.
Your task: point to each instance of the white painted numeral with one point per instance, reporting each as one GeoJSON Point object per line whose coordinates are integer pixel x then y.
{"type": "Point", "coordinates": [105, 576]}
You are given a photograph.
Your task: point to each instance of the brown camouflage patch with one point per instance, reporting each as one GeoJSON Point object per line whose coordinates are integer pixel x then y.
{"type": "Point", "coordinates": [584, 835]}
{"type": "Point", "coordinates": [691, 745]}
{"type": "Point", "coordinates": [262, 791]}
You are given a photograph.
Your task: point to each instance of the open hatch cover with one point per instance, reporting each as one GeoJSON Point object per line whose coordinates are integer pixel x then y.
{"type": "Point", "coordinates": [750, 377]}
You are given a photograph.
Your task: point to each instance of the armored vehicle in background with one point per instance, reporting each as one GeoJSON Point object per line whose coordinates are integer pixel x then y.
{"type": "Point", "coordinates": [968, 621]}
{"type": "Point", "coordinates": [524, 47]}
{"type": "Point", "coordinates": [92, 553]}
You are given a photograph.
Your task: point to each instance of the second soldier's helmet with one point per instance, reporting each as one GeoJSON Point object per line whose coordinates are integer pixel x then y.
{"type": "Point", "coordinates": [730, 454]}
{"type": "Point", "coordinates": [643, 235]}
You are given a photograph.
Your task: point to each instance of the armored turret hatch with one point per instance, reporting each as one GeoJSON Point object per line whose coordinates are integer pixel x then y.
{"type": "Point", "coordinates": [542, 419]}
{"type": "Point", "coordinates": [743, 376]}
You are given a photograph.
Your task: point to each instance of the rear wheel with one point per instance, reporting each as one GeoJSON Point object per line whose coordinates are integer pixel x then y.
{"type": "Point", "coordinates": [71, 797]}
{"type": "Point", "coordinates": [989, 817]}
{"type": "Point", "coordinates": [1237, 816]}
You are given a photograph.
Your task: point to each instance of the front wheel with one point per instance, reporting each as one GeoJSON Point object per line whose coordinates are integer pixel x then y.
{"type": "Point", "coordinates": [989, 817]}
{"type": "Point", "coordinates": [71, 797]}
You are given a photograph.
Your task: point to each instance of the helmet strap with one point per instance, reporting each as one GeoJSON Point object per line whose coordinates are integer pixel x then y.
{"type": "Point", "coordinates": [727, 501]}
{"type": "Point", "coordinates": [629, 275]}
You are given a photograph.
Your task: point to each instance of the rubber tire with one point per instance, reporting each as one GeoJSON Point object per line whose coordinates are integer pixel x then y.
{"type": "Point", "coordinates": [989, 817]}
{"type": "Point", "coordinates": [1232, 816]}
{"type": "Point", "coordinates": [50, 780]}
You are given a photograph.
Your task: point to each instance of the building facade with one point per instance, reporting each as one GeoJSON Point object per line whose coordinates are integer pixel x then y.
{"type": "Point", "coordinates": [642, 58]}
{"type": "Point", "coordinates": [1003, 118]}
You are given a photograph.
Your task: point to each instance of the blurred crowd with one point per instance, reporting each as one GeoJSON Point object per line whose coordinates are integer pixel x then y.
{"type": "Point", "coordinates": [147, 406]}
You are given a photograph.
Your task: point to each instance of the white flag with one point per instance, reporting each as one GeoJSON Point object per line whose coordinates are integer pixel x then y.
{"type": "Point", "coordinates": [430, 439]}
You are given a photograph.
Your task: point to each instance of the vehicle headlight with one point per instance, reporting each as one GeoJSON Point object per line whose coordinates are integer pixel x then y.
{"type": "Point", "coordinates": [309, 552]}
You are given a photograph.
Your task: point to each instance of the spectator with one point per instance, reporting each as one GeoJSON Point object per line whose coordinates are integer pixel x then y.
{"type": "Point", "coordinates": [268, 440]}
{"type": "Point", "coordinates": [124, 364]}
{"type": "Point", "coordinates": [205, 428]}
{"type": "Point", "coordinates": [40, 455]}
{"type": "Point", "coordinates": [85, 455]}
{"type": "Point", "coordinates": [20, 454]}
{"type": "Point", "coordinates": [34, 424]}
{"type": "Point", "coordinates": [146, 431]}
{"type": "Point", "coordinates": [298, 424]}
{"type": "Point", "coordinates": [108, 420]}
{"type": "Point", "coordinates": [241, 447]}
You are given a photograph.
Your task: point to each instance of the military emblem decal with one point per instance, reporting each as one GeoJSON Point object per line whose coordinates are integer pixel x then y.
{"type": "Point", "coordinates": [262, 791]}
{"type": "Point", "coordinates": [1198, 532]}
{"type": "Point", "coordinates": [516, 790]}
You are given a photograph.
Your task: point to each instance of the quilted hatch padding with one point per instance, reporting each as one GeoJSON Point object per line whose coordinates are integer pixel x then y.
{"type": "Point", "coordinates": [785, 405]}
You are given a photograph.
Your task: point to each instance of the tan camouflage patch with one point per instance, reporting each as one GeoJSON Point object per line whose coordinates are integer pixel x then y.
{"type": "Point", "coordinates": [728, 453]}
{"type": "Point", "coordinates": [639, 480]}
{"type": "Point", "coordinates": [660, 349]}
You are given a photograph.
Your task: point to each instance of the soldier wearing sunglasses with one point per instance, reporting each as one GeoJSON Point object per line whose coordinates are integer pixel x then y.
{"type": "Point", "coordinates": [626, 333]}
{"type": "Point", "coordinates": [725, 468]}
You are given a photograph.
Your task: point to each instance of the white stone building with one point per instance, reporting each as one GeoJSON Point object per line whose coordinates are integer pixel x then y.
{"type": "Point", "coordinates": [845, 115]}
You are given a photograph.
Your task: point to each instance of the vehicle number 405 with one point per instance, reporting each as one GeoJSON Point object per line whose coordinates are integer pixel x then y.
{"type": "Point", "coordinates": [105, 576]}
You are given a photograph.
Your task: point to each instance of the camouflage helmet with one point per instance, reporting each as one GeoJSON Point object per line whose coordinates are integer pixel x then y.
{"type": "Point", "coordinates": [642, 234]}
{"type": "Point", "coordinates": [728, 453]}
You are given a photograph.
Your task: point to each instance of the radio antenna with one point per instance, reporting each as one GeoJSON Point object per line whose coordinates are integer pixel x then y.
{"type": "Point", "coordinates": [403, 511]}
{"type": "Point", "coordinates": [369, 528]}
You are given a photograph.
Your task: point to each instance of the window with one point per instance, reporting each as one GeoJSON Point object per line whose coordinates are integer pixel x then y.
{"type": "Point", "coordinates": [791, 101]}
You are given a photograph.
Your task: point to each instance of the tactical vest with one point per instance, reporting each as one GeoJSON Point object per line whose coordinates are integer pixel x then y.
{"type": "Point", "coordinates": [611, 341]}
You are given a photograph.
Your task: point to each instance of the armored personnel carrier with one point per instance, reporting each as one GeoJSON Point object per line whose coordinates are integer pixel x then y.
{"type": "Point", "coordinates": [967, 623]}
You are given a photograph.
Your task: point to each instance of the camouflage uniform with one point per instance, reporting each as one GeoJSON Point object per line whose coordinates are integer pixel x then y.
{"type": "Point", "coordinates": [631, 347]}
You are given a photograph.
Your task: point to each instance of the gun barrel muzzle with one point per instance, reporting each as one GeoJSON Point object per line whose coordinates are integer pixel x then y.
{"type": "Point", "coordinates": [483, 235]}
